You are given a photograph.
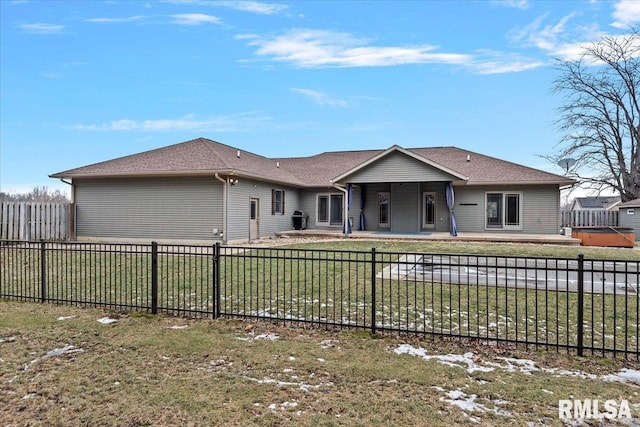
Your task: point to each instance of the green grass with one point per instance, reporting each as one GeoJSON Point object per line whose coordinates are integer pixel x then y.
{"type": "Point", "coordinates": [142, 371]}
{"type": "Point", "coordinates": [303, 282]}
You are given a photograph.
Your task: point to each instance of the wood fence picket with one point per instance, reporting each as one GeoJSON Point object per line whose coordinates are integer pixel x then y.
{"type": "Point", "coordinates": [34, 221]}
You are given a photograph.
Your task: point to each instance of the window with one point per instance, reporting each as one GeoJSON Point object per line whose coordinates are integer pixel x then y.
{"type": "Point", "coordinates": [504, 210]}
{"type": "Point", "coordinates": [383, 209]}
{"type": "Point", "coordinates": [330, 209]}
{"type": "Point", "coordinates": [277, 202]}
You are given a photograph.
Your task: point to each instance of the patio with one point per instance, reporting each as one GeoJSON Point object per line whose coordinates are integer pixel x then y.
{"type": "Point", "coordinates": [439, 236]}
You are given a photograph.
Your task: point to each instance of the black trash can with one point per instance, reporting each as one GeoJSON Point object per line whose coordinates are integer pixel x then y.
{"type": "Point", "coordinates": [300, 220]}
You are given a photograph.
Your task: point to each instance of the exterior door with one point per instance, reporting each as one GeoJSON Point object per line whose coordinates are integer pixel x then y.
{"type": "Point", "coordinates": [428, 210]}
{"type": "Point", "coordinates": [254, 219]}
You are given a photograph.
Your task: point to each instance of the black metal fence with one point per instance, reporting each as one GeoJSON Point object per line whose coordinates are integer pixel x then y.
{"type": "Point", "coordinates": [570, 304]}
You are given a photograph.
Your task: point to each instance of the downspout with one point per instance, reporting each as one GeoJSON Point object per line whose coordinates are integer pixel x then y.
{"type": "Point", "coordinates": [345, 210]}
{"type": "Point", "coordinates": [72, 228]}
{"type": "Point", "coordinates": [225, 196]}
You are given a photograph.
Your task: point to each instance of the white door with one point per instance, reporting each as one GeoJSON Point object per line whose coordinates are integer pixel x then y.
{"type": "Point", "coordinates": [254, 219]}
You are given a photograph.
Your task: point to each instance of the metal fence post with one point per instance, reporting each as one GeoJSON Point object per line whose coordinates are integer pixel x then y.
{"type": "Point", "coordinates": [154, 277]}
{"type": "Point", "coordinates": [43, 271]}
{"type": "Point", "coordinates": [216, 280]}
{"type": "Point", "coordinates": [373, 290]}
{"type": "Point", "coordinates": [580, 304]}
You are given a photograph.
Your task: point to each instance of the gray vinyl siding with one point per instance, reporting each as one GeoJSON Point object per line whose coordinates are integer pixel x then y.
{"type": "Point", "coordinates": [540, 208]}
{"type": "Point", "coordinates": [240, 196]}
{"type": "Point", "coordinates": [405, 208]}
{"type": "Point", "coordinates": [151, 208]}
{"type": "Point", "coordinates": [309, 203]}
{"type": "Point", "coordinates": [398, 167]}
{"type": "Point", "coordinates": [631, 220]}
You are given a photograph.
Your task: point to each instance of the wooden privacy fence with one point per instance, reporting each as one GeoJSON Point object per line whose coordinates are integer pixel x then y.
{"type": "Point", "coordinates": [35, 221]}
{"type": "Point", "coordinates": [589, 218]}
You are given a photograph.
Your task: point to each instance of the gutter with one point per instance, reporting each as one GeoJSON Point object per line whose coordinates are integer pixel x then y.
{"type": "Point", "coordinates": [225, 197]}
{"type": "Point", "coordinates": [345, 210]}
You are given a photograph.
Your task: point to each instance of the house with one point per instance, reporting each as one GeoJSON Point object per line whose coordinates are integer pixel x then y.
{"type": "Point", "coordinates": [202, 190]}
{"type": "Point", "coordinates": [606, 203]}
{"type": "Point", "coordinates": [630, 216]}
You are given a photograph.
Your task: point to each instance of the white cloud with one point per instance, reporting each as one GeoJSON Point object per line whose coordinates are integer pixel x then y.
{"type": "Point", "coordinates": [506, 65]}
{"type": "Point", "coordinates": [195, 19]}
{"type": "Point", "coordinates": [115, 20]}
{"type": "Point", "coordinates": [318, 48]}
{"type": "Point", "coordinates": [542, 37]}
{"type": "Point", "coordinates": [177, 19]}
{"type": "Point", "coordinates": [245, 6]}
{"type": "Point", "coordinates": [626, 13]}
{"type": "Point", "coordinates": [41, 28]}
{"type": "Point", "coordinates": [227, 123]}
{"type": "Point", "coordinates": [254, 6]}
{"type": "Point", "coordinates": [518, 4]}
{"type": "Point", "coordinates": [321, 98]}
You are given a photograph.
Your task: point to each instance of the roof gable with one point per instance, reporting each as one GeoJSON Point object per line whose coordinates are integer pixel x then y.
{"type": "Point", "coordinates": [399, 165]}
{"type": "Point", "coordinates": [598, 202]}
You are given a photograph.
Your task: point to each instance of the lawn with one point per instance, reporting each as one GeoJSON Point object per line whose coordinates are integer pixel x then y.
{"type": "Point", "coordinates": [305, 282]}
{"type": "Point", "coordinates": [62, 365]}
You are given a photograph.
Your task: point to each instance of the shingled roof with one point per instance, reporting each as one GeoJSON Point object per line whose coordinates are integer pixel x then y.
{"type": "Point", "coordinates": [196, 157]}
{"type": "Point", "coordinates": [204, 157]}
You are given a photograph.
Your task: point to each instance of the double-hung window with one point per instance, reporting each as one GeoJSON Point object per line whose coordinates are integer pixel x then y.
{"type": "Point", "coordinates": [504, 210]}
{"type": "Point", "coordinates": [277, 202]}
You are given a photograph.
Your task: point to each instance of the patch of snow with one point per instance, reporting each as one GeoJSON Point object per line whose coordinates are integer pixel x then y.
{"type": "Point", "coordinates": [454, 360]}
{"type": "Point", "coordinates": [8, 339]}
{"type": "Point", "coordinates": [178, 327]}
{"type": "Point", "coordinates": [327, 343]}
{"type": "Point", "coordinates": [106, 320]}
{"type": "Point", "coordinates": [625, 375]}
{"type": "Point", "coordinates": [300, 385]}
{"type": "Point", "coordinates": [524, 366]}
{"type": "Point", "coordinates": [269, 337]}
{"type": "Point", "coordinates": [67, 349]}
{"type": "Point", "coordinates": [468, 403]}
{"type": "Point", "coordinates": [29, 396]}
{"type": "Point", "coordinates": [321, 360]}
{"type": "Point", "coordinates": [283, 405]}
{"type": "Point", "coordinates": [65, 318]}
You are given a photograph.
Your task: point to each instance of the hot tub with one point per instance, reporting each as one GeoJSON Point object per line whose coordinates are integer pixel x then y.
{"type": "Point", "coordinates": [622, 237]}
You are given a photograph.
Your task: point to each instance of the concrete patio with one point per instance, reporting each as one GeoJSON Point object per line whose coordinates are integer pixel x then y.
{"type": "Point", "coordinates": [556, 239]}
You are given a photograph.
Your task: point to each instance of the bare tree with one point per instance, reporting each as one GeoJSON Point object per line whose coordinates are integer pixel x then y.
{"type": "Point", "coordinates": [38, 194]}
{"type": "Point", "coordinates": [600, 115]}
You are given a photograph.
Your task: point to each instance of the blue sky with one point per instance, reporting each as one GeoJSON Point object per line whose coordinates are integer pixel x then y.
{"type": "Point", "coordinates": [87, 81]}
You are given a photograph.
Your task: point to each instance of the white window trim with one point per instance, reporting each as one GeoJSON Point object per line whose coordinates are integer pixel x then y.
{"type": "Point", "coordinates": [504, 226]}
{"type": "Point", "coordinates": [328, 222]}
